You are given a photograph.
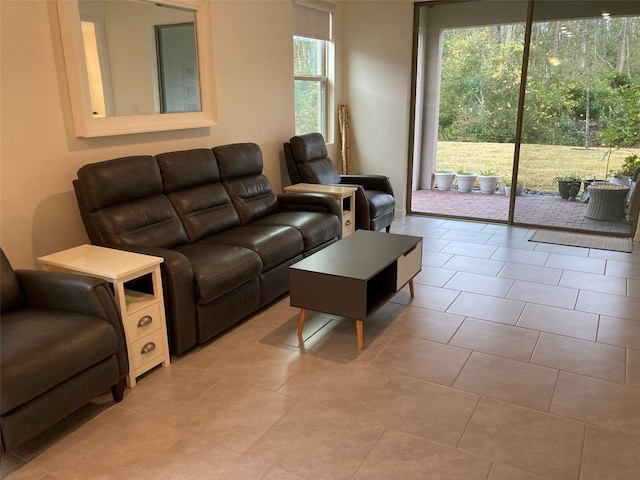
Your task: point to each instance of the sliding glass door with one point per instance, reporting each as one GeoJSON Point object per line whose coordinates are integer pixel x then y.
{"type": "Point", "coordinates": [570, 117]}
{"type": "Point", "coordinates": [580, 104]}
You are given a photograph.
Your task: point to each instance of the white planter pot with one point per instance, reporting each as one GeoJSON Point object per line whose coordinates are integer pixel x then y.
{"type": "Point", "coordinates": [624, 180]}
{"type": "Point", "coordinates": [466, 182]}
{"type": "Point", "coordinates": [444, 181]}
{"type": "Point", "coordinates": [488, 184]}
{"type": "Point", "coordinates": [519, 190]}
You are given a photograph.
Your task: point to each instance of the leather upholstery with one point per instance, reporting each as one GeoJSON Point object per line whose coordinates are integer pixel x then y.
{"type": "Point", "coordinates": [308, 162]}
{"type": "Point", "coordinates": [250, 191]}
{"type": "Point", "coordinates": [62, 344]}
{"type": "Point", "coordinates": [226, 238]}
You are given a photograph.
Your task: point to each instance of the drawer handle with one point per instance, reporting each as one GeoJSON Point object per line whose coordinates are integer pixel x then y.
{"type": "Point", "coordinates": [348, 222]}
{"type": "Point", "coordinates": [148, 348]}
{"type": "Point", "coordinates": [144, 321]}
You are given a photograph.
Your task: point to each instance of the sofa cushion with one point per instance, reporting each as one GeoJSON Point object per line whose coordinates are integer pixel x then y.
{"type": "Point", "coordinates": [219, 269]}
{"type": "Point", "coordinates": [241, 170]}
{"type": "Point", "coordinates": [42, 348]}
{"type": "Point", "coordinates": [316, 228]}
{"type": "Point", "coordinates": [188, 168]}
{"type": "Point", "coordinates": [117, 181]}
{"type": "Point", "coordinates": [275, 244]}
{"type": "Point", "coordinates": [150, 221]}
{"type": "Point", "coordinates": [192, 184]}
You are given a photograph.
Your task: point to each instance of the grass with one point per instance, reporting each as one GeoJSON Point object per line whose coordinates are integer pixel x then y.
{"type": "Point", "coordinates": [539, 164]}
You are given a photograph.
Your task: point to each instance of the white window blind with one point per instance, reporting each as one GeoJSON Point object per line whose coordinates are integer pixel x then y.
{"type": "Point", "coordinates": [312, 19]}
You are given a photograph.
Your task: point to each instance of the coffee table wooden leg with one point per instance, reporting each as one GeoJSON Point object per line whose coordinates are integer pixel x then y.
{"type": "Point", "coordinates": [359, 334]}
{"type": "Point", "coordinates": [303, 315]}
{"type": "Point", "coordinates": [411, 287]}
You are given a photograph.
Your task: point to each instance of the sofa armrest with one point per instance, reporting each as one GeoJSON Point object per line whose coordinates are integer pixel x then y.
{"type": "Point", "coordinates": [179, 295]}
{"type": "Point", "coordinates": [314, 202]}
{"type": "Point", "coordinates": [369, 182]}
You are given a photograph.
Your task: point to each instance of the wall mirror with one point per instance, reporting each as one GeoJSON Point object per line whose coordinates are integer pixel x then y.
{"type": "Point", "coordinates": [135, 66]}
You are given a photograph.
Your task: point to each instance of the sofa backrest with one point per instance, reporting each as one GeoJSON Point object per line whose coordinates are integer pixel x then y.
{"type": "Point", "coordinates": [122, 202]}
{"type": "Point", "coordinates": [241, 171]}
{"type": "Point", "coordinates": [192, 184]}
{"type": "Point", "coordinates": [309, 158]}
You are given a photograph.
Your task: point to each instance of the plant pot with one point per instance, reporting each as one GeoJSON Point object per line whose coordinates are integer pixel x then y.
{"type": "Point", "coordinates": [488, 184]}
{"type": "Point", "coordinates": [568, 188]}
{"type": "Point", "coordinates": [444, 181]}
{"type": "Point", "coordinates": [519, 190]}
{"type": "Point", "coordinates": [466, 182]}
{"type": "Point", "coordinates": [621, 180]}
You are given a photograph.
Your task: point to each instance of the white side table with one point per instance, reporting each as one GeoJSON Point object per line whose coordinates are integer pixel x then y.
{"type": "Point", "coordinates": [346, 195]}
{"type": "Point", "coordinates": [142, 313]}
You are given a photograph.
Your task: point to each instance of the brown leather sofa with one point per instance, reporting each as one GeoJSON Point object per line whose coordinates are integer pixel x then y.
{"type": "Point", "coordinates": [227, 239]}
{"type": "Point", "coordinates": [62, 345]}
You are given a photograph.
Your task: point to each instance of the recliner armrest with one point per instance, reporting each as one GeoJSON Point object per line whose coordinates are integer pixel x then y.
{"type": "Point", "coordinates": [63, 291]}
{"type": "Point", "coordinates": [369, 182]}
{"type": "Point", "coordinates": [71, 292]}
{"type": "Point", "coordinates": [314, 202]}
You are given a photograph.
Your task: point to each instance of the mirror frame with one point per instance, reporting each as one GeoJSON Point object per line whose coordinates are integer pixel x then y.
{"type": "Point", "coordinates": [85, 125]}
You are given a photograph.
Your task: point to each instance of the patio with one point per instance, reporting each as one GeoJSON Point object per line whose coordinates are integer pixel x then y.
{"type": "Point", "coordinates": [531, 209]}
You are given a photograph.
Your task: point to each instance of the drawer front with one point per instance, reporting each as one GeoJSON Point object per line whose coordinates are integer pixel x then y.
{"type": "Point", "coordinates": [409, 265]}
{"type": "Point", "coordinates": [142, 322]}
{"type": "Point", "coordinates": [348, 223]}
{"type": "Point", "coordinates": [147, 350]}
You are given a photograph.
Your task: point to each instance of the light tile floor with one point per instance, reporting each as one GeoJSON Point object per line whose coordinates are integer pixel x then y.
{"type": "Point", "coordinates": [514, 361]}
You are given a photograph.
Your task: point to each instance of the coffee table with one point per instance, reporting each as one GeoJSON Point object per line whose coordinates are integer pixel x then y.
{"type": "Point", "coordinates": [355, 276]}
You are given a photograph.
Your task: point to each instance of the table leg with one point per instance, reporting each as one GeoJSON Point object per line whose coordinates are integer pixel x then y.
{"type": "Point", "coordinates": [411, 288]}
{"type": "Point", "coordinates": [359, 334]}
{"type": "Point", "coordinates": [303, 315]}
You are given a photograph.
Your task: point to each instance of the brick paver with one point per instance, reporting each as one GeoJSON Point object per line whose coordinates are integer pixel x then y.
{"type": "Point", "coordinates": [543, 210]}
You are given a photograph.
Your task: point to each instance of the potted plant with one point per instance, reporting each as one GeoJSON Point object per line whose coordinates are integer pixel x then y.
{"type": "Point", "coordinates": [568, 185]}
{"type": "Point", "coordinates": [466, 180]}
{"type": "Point", "coordinates": [488, 180]}
{"type": "Point", "coordinates": [444, 179]}
{"type": "Point", "coordinates": [629, 166]}
{"type": "Point", "coordinates": [507, 187]}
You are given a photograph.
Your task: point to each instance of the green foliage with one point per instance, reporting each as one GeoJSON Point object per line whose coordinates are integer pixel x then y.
{"type": "Point", "coordinates": [629, 166]}
{"type": "Point", "coordinates": [488, 173]}
{"type": "Point", "coordinates": [574, 92]}
{"type": "Point", "coordinates": [568, 177]}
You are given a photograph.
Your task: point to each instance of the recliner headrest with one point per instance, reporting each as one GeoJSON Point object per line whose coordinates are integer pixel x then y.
{"type": "Point", "coordinates": [310, 146]}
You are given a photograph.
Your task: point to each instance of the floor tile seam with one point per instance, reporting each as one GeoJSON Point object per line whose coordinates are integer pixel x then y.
{"type": "Point", "coordinates": [368, 455]}
{"type": "Point", "coordinates": [562, 370]}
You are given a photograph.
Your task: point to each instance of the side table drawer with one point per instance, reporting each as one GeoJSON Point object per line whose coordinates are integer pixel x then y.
{"type": "Point", "coordinates": [146, 350]}
{"type": "Point", "coordinates": [142, 322]}
{"type": "Point", "coordinates": [409, 265]}
{"type": "Point", "coordinates": [348, 223]}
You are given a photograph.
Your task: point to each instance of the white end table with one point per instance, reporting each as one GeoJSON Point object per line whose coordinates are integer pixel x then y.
{"type": "Point", "coordinates": [142, 314]}
{"type": "Point", "coordinates": [346, 195]}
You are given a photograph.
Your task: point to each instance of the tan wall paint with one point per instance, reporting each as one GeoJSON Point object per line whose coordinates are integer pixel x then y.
{"type": "Point", "coordinates": [252, 40]}
{"type": "Point", "coordinates": [377, 83]}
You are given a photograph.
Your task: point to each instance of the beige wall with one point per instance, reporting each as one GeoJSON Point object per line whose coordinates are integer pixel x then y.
{"type": "Point", "coordinates": [377, 85]}
{"type": "Point", "coordinates": [252, 40]}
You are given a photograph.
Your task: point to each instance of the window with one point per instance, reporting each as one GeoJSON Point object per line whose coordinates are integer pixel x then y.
{"type": "Point", "coordinates": [310, 84]}
{"type": "Point", "coordinates": [312, 66]}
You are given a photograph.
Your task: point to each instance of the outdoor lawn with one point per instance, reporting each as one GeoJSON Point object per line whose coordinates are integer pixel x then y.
{"type": "Point", "coordinates": [539, 164]}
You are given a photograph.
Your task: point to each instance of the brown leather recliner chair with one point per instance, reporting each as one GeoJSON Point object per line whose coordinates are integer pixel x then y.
{"type": "Point", "coordinates": [307, 162]}
{"type": "Point", "coordinates": [62, 344]}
